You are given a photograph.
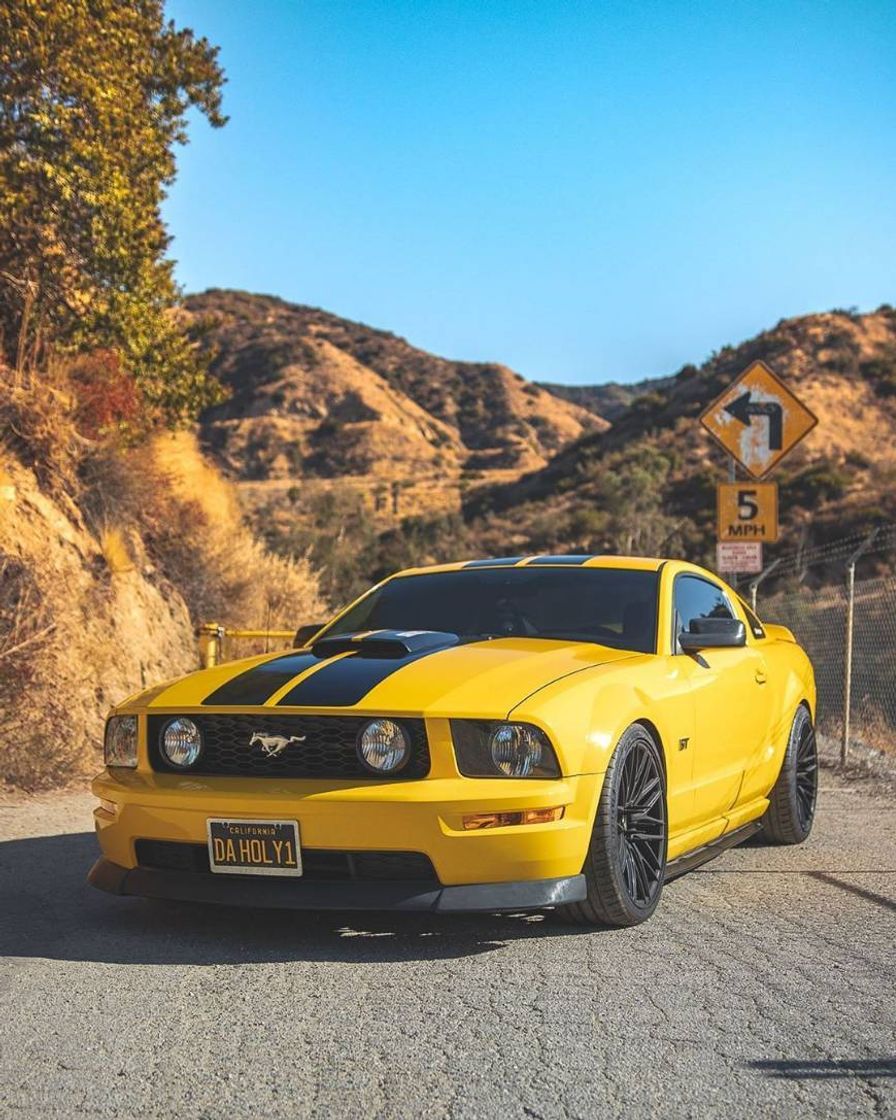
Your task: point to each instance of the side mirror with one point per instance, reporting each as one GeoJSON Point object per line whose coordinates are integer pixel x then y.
{"type": "Point", "coordinates": [712, 633]}
{"type": "Point", "coordinates": [304, 634]}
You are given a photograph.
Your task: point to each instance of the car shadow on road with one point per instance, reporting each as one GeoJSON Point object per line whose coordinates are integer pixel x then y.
{"type": "Point", "coordinates": [832, 879]}
{"type": "Point", "coordinates": [48, 910]}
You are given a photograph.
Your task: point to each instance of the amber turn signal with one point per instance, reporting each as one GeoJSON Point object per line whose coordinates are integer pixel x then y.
{"type": "Point", "coordinates": [523, 816]}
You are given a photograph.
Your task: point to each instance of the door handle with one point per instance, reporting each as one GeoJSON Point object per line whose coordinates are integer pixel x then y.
{"type": "Point", "coordinates": [761, 678]}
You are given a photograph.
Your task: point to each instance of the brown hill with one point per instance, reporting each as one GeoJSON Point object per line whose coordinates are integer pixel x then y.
{"type": "Point", "coordinates": [339, 433]}
{"type": "Point", "coordinates": [648, 483]}
{"type": "Point", "coordinates": [316, 396]}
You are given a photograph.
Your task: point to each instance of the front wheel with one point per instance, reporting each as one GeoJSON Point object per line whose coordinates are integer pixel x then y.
{"type": "Point", "coordinates": [626, 858]}
{"type": "Point", "coordinates": [791, 811]}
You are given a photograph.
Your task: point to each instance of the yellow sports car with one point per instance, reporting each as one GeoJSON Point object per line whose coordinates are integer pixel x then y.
{"type": "Point", "coordinates": [541, 731]}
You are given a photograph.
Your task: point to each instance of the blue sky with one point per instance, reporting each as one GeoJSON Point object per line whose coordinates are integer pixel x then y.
{"type": "Point", "coordinates": [583, 191]}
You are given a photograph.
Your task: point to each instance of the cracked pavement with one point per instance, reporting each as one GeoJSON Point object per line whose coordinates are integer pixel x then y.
{"type": "Point", "coordinates": [764, 985]}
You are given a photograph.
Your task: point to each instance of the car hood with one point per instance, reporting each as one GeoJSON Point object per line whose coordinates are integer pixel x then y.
{"type": "Point", "coordinates": [481, 679]}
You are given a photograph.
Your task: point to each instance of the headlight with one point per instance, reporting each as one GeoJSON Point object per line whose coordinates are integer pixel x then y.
{"type": "Point", "coordinates": [120, 744]}
{"type": "Point", "coordinates": [502, 750]}
{"type": "Point", "coordinates": [383, 746]}
{"type": "Point", "coordinates": [517, 749]}
{"type": "Point", "coordinates": [181, 743]}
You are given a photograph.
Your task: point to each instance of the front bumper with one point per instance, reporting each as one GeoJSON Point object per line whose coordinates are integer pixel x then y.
{"type": "Point", "coordinates": [423, 816]}
{"type": "Point", "coordinates": [296, 895]}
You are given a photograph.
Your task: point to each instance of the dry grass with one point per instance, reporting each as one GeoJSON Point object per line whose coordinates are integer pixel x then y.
{"type": "Point", "coordinates": [114, 548]}
{"type": "Point", "coordinates": [34, 741]}
{"type": "Point", "coordinates": [189, 477]}
{"type": "Point", "coordinates": [189, 520]}
{"type": "Point", "coordinates": [36, 428]}
{"type": "Point", "coordinates": [870, 724]}
{"type": "Point", "coordinates": [24, 623]}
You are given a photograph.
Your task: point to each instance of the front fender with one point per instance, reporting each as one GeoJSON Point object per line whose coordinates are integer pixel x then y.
{"type": "Point", "coordinates": [585, 714]}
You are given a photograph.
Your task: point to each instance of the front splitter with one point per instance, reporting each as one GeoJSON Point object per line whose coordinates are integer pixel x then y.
{"type": "Point", "coordinates": [296, 894]}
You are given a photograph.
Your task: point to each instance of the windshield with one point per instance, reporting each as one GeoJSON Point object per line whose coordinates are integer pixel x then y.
{"type": "Point", "coordinates": [612, 606]}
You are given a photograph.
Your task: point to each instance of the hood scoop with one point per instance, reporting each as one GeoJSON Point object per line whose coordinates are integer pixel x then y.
{"type": "Point", "coordinates": [385, 643]}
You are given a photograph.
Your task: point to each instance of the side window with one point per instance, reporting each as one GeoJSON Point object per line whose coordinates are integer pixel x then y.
{"type": "Point", "coordinates": [697, 598]}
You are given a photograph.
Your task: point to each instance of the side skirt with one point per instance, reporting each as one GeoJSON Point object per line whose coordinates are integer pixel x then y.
{"type": "Point", "coordinates": [699, 856]}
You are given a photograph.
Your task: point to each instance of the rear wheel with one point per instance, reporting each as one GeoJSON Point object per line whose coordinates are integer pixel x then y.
{"type": "Point", "coordinates": [626, 858]}
{"type": "Point", "coordinates": [791, 810]}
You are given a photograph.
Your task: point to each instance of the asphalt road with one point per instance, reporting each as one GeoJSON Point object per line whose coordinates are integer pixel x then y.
{"type": "Point", "coordinates": [763, 986]}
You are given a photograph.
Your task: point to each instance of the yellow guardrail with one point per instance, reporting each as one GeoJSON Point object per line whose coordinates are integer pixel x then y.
{"type": "Point", "coordinates": [212, 635]}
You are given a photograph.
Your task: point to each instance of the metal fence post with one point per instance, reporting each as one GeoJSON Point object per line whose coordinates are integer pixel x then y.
{"type": "Point", "coordinates": [847, 651]}
{"type": "Point", "coordinates": [754, 583]}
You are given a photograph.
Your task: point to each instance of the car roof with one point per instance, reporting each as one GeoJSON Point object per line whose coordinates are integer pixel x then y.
{"type": "Point", "coordinates": [546, 560]}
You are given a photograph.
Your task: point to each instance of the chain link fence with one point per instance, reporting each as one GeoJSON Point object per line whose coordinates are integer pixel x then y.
{"type": "Point", "coordinates": [847, 625]}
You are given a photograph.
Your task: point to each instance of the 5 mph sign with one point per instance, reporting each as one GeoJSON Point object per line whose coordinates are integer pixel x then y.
{"type": "Point", "coordinates": [747, 511]}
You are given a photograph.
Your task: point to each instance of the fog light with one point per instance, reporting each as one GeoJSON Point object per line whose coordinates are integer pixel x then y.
{"type": "Point", "coordinates": [522, 816]}
{"type": "Point", "coordinates": [543, 816]}
{"type": "Point", "coordinates": [181, 743]}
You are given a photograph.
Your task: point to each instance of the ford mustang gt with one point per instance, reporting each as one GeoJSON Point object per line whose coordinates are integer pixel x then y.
{"type": "Point", "coordinates": [550, 731]}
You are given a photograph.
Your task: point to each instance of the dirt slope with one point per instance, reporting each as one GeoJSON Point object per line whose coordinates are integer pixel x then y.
{"type": "Point", "coordinates": [110, 554]}
{"type": "Point", "coordinates": [94, 633]}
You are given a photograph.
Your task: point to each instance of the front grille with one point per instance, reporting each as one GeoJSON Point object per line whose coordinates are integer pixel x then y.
{"type": "Point", "coordinates": [327, 750]}
{"type": "Point", "coordinates": [317, 863]}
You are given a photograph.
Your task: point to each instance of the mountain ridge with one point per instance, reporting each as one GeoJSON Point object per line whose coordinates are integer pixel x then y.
{"type": "Point", "coordinates": [352, 446]}
{"type": "Point", "coordinates": [298, 375]}
{"type": "Point", "coordinates": [608, 399]}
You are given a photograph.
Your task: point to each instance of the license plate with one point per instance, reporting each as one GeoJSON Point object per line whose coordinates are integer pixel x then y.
{"type": "Point", "coordinates": [254, 847]}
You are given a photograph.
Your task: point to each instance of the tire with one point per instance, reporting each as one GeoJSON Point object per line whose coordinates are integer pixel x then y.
{"type": "Point", "coordinates": [791, 811]}
{"type": "Point", "coordinates": [625, 864]}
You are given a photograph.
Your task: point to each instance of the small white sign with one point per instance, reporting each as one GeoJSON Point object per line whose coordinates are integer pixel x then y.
{"type": "Point", "coordinates": [739, 556]}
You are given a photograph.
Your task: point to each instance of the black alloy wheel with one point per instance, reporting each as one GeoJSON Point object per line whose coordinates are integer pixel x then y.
{"type": "Point", "coordinates": [640, 821]}
{"type": "Point", "coordinates": [791, 811]}
{"type": "Point", "coordinates": [626, 861]}
{"type": "Point", "coordinates": [806, 775]}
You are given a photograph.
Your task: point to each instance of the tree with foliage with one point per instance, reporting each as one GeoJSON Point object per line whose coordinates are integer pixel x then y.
{"type": "Point", "coordinates": [94, 96]}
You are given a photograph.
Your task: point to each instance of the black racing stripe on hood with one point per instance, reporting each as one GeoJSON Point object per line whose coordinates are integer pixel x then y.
{"type": "Point", "coordinates": [347, 681]}
{"type": "Point", "coordinates": [259, 684]}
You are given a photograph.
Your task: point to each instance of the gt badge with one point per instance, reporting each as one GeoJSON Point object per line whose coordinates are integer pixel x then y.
{"type": "Point", "coordinates": [272, 745]}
